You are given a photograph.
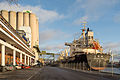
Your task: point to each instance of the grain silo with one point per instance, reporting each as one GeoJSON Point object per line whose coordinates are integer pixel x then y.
{"type": "Point", "coordinates": [12, 19]}
{"type": "Point", "coordinates": [34, 36]}
{"type": "Point", "coordinates": [33, 29]}
{"type": "Point", "coordinates": [23, 21]}
{"type": "Point", "coordinates": [26, 19]}
{"type": "Point", "coordinates": [5, 14]}
{"type": "Point", "coordinates": [37, 29]}
{"type": "Point", "coordinates": [19, 20]}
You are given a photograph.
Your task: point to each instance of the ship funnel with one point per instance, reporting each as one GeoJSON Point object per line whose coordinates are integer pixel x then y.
{"type": "Point", "coordinates": [88, 29]}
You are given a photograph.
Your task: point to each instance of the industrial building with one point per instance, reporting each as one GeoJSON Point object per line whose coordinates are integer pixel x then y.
{"type": "Point", "coordinates": [19, 38]}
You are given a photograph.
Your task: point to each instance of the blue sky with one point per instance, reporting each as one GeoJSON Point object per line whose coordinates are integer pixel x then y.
{"type": "Point", "coordinates": [60, 20]}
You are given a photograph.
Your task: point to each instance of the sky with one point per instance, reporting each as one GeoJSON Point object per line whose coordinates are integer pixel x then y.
{"type": "Point", "coordinates": [60, 20]}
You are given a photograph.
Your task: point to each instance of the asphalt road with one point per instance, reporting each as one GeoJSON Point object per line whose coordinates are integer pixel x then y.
{"type": "Point", "coordinates": [54, 73]}
{"type": "Point", "coordinates": [24, 74]}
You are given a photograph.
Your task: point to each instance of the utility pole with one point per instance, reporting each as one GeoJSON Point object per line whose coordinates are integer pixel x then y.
{"type": "Point", "coordinates": [112, 62]}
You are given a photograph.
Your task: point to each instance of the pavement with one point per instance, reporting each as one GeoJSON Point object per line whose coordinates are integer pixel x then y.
{"type": "Point", "coordinates": [55, 73]}
{"type": "Point", "coordinates": [23, 74]}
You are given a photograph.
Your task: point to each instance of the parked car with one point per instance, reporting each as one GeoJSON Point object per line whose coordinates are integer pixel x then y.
{"type": "Point", "coordinates": [38, 64]}
{"type": "Point", "coordinates": [9, 67]}
{"type": "Point", "coordinates": [18, 66]}
{"type": "Point", "coordinates": [25, 66]}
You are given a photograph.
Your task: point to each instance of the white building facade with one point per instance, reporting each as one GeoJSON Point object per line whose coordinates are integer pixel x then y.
{"type": "Point", "coordinates": [13, 47]}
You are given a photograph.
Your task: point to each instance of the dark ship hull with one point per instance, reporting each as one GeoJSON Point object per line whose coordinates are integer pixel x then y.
{"type": "Point", "coordinates": [98, 61]}
{"type": "Point", "coordinates": [90, 61]}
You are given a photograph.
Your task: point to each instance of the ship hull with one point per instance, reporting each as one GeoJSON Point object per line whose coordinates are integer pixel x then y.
{"type": "Point", "coordinates": [91, 61]}
{"type": "Point", "coordinates": [98, 61]}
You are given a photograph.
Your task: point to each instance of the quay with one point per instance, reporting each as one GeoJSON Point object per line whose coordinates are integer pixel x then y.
{"type": "Point", "coordinates": [55, 73]}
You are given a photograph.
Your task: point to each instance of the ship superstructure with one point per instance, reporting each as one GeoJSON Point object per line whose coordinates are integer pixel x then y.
{"type": "Point", "coordinates": [87, 51]}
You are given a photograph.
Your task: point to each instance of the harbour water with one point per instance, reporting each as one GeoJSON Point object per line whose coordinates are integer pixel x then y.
{"type": "Point", "coordinates": [110, 70]}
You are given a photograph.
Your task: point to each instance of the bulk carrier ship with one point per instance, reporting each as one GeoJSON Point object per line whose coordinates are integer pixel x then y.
{"type": "Point", "coordinates": [87, 52]}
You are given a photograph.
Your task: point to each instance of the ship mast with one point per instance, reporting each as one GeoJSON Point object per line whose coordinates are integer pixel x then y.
{"type": "Point", "coordinates": [83, 31]}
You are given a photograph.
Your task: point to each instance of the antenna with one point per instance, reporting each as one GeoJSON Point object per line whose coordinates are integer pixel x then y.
{"type": "Point", "coordinates": [83, 31]}
{"type": "Point", "coordinates": [84, 24]}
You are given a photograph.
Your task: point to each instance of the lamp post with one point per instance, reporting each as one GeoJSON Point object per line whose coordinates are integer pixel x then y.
{"type": "Point", "coordinates": [112, 62]}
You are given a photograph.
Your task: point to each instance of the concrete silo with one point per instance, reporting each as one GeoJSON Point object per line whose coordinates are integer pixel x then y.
{"type": "Point", "coordinates": [26, 19]}
{"type": "Point", "coordinates": [12, 19]}
{"type": "Point", "coordinates": [33, 29]}
{"type": "Point", "coordinates": [5, 14]}
{"type": "Point", "coordinates": [23, 21]}
{"type": "Point", "coordinates": [37, 31]}
{"type": "Point", "coordinates": [19, 20]}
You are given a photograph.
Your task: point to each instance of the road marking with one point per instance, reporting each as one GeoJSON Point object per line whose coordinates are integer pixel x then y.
{"type": "Point", "coordinates": [34, 74]}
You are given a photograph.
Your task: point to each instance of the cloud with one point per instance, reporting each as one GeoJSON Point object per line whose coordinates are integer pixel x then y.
{"type": "Point", "coordinates": [46, 15]}
{"type": "Point", "coordinates": [43, 14]}
{"type": "Point", "coordinates": [98, 8]}
{"type": "Point", "coordinates": [52, 40]}
{"type": "Point", "coordinates": [49, 35]}
{"type": "Point", "coordinates": [111, 45]}
{"type": "Point", "coordinates": [54, 47]}
{"type": "Point", "coordinates": [81, 20]}
{"type": "Point", "coordinates": [93, 9]}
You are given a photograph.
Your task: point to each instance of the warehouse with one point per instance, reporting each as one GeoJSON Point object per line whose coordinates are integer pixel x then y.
{"type": "Point", "coordinates": [19, 36]}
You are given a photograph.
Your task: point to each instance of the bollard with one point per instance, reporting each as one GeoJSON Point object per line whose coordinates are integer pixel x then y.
{"type": "Point", "coordinates": [80, 65]}
{"type": "Point", "coordinates": [69, 65]}
{"type": "Point", "coordinates": [83, 66]}
{"type": "Point", "coordinates": [77, 65]}
{"type": "Point", "coordinates": [74, 65]}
